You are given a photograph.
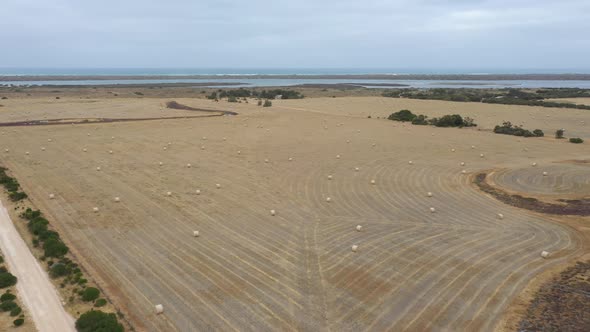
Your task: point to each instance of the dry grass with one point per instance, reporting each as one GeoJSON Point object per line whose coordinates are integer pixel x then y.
{"type": "Point", "coordinates": [456, 269]}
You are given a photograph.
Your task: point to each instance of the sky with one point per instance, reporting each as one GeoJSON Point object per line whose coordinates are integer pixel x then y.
{"type": "Point", "coordinates": [543, 34]}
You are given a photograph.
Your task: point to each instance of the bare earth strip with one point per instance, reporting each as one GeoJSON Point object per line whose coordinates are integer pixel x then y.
{"type": "Point", "coordinates": [35, 290]}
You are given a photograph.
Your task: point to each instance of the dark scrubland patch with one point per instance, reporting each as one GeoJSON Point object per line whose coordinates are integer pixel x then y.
{"type": "Point", "coordinates": [576, 207]}
{"type": "Point", "coordinates": [562, 304]}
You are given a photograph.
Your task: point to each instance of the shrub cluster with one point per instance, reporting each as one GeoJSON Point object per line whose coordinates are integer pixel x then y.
{"type": "Point", "coordinates": [450, 120]}
{"type": "Point", "coordinates": [96, 320]}
{"type": "Point", "coordinates": [507, 128]}
{"type": "Point", "coordinates": [234, 94]}
{"type": "Point", "coordinates": [11, 185]}
{"type": "Point", "coordinates": [7, 279]}
{"type": "Point", "coordinates": [576, 140]}
{"type": "Point", "coordinates": [53, 246]}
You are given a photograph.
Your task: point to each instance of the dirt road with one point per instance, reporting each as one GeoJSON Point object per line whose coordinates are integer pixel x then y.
{"type": "Point", "coordinates": [35, 289]}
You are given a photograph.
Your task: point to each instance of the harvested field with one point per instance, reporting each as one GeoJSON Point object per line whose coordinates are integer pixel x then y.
{"type": "Point", "coordinates": [455, 269]}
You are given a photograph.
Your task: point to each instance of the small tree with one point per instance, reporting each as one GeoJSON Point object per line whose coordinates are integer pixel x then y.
{"type": "Point", "coordinates": [267, 103]}
{"type": "Point", "coordinates": [559, 133]}
{"type": "Point", "coordinates": [403, 115]}
{"type": "Point", "coordinates": [7, 280]}
{"type": "Point", "coordinates": [90, 294]}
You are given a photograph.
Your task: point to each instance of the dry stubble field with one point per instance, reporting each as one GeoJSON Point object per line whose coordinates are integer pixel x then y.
{"type": "Point", "coordinates": [456, 269]}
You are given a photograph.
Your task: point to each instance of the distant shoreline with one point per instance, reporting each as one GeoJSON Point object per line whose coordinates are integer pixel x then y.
{"type": "Point", "coordinates": [393, 77]}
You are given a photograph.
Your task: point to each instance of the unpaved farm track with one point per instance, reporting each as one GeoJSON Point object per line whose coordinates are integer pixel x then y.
{"type": "Point", "coordinates": [35, 290]}
{"type": "Point", "coordinates": [456, 269]}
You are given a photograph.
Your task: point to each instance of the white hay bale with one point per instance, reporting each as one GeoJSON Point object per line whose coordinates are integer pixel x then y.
{"type": "Point", "coordinates": [359, 228]}
{"type": "Point", "coordinates": [51, 196]}
{"type": "Point", "coordinates": [266, 160]}
{"type": "Point", "coordinates": [196, 233]}
{"type": "Point", "coordinates": [347, 141]}
{"type": "Point", "coordinates": [112, 137]}
{"type": "Point", "coordinates": [473, 146]}
{"type": "Point", "coordinates": [355, 248]}
{"type": "Point", "coordinates": [290, 159]}
{"type": "Point", "coordinates": [110, 151]}
{"type": "Point", "coordinates": [481, 155]}
{"type": "Point", "coordinates": [328, 199]}
{"type": "Point", "coordinates": [218, 186]}
{"type": "Point", "coordinates": [225, 139]}
{"type": "Point", "coordinates": [373, 182]}
{"type": "Point", "coordinates": [6, 150]}
{"type": "Point", "coordinates": [452, 150]}
{"type": "Point", "coordinates": [169, 143]}
{"type": "Point", "coordinates": [49, 140]}
{"type": "Point", "coordinates": [204, 138]}
{"type": "Point", "coordinates": [337, 156]}
{"type": "Point", "coordinates": [544, 254]}
{"type": "Point", "coordinates": [356, 169]}
{"type": "Point", "coordinates": [27, 153]}
{"type": "Point", "coordinates": [117, 199]}
{"type": "Point", "coordinates": [273, 212]}
{"type": "Point", "coordinates": [410, 162]}
{"type": "Point", "coordinates": [463, 172]}
{"type": "Point", "coordinates": [500, 216]}
{"type": "Point", "coordinates": [189, 165]}
{"type": "Point", "coordinates": [545, 173]}
{"type": "Point", "coordinates": [374, 145]}
{"type": "Point", "coordinates": [329, 177]}
{"type": "Point", "coordinates": [432, 210]}
{"type": "Point", "coordinates": [429, 194]}
{"type": "Point", "coordinates": [84, 149]}
{"type": "Point", "coordinates": [198, 191]}
{"type": "Point", "coordinates": [534, 164]}
{"type": "Point", "coordinates": [88, 134]}
{"type": "Point", "coordinates": [42, 148]}
{"type": "Point", "coordinates": [168, 193]}
{"type": "Point", "coordinates": [159, 309]}
{"type": "Point", "coordinates": [160, 163]}
{"type": "Point", "coordinates": [95, 209]}
{"type": "Point", "coordinates": [462, 163]}
{"type": "Point", "coordinates": [202, 147]}
{"type": "Point", "coordinates": [98, 168]}
{"type": "Point", "coordinates": [165, 148]}
{"type": "Point", "coordinates": [239, 152]}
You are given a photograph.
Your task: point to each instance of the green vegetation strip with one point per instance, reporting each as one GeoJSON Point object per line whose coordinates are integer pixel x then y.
{"type": "Point", "coordinates": [59, 266]}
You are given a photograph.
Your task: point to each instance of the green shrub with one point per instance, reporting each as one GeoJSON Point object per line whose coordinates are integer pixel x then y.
{"type": "Point", "coordinates": [559, 133]}
{"type": "Point", "coordinates": [260, 103]}
{"type": "Point", "coordinates": [18, 322]}
{"type": "Point", "coordinates": [538, 133]}
{"type": "Point", "coordinates": [15, 311]}
{"type": "Point", "coordinates": [267, 103]}
{"type": "Point", "coordinates": [16, 196]}
{"type": "Point", "coordinates": [420, 120]}
{"type": "Point", "coordinates": [232, 99]}
{"type": "Point", "coordinates": [7, 297]}
{"type": "Point", "coordinates": [403, 115]}
{"type": "Point", "coordinates": [90, 294]}
{"type": "Point", "coordinates": [451, 120]}
{"type": "Point", "coordinates": [508, 129]}
{"type": "Point", "coordinates": [1, 259]}
{"type": "Point", "coordinates": [98, 321]}
{"type": "Point", "coordinates": [7, 306]}
{"type": "Point", "coordinates": [58, 270]}
{"type": "Point", "coordinates": [7, 279]}
{"type": "Point", "coordinates": [54, 248]}
{"type": "Point", "coordinates": [30, 214]}
{"type": "Point", "coordinates": [100, 303]}
{"type": "Point", "coordinates": [576, 140]}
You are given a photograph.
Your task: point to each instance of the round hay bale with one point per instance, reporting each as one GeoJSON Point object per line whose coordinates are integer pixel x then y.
{"type": "Point", "coordinates": [218, 186]}
{"type": "Point", "coordinates": [198, 191]}
{"type": "Point", "coordinates": [347, 141]}
{"type": "Point", "coordinates": [290, 159]}
{"type": "Point", "coordinates": [355, 248]}
{"type": "Point", "coordinates": [273, 212]}
{"type": "Point", "coordinates": [545, 173]}
{"type": "Point", "coordinates": [373, 182]}
{"type": "Point", "coordinates": [500, 216]}
{"type": "Point", "coordinates": [429, 194]}
{"type": "Point", "coordinates": [168, 193]}
{"type": "Point", "coordinates": [202, 147]}
{"type": "Point", "coordinates": [196, 233]}
{"type": "Point", "coordinates": [6, 150]}
{"type": "Point", "coordinates": [337, 156]}
{"type": "Point", "coordinates": [110, 151]}
{"type": "Point", "coordinates": [98, 168]}
{"type": "Point", "coordinates": [452, 150]}
{"type": "Point", "coordinates": [239, 152]}
{"type": "Point", "coordinates": [51, 196]}
{"type": "Point", "coordinates": [27, 153]}
{"type": "Point", "coordinates": [169, 143]}
{"type": "Point", "coordinates": [473, 146]}
{"type": "Point", "coordinates": [432, 210]}
{"type": "Point", "coordinates": [328, 199]}
{"type": "Point", "coordinates": [266, 160]}
{"type": "Point", "coordinates": [95, 209]}
{"type": "Point", "coordinates": [160, 163]}
{"type": "Point", "coordinates": [165, 148]}
{"type": "Point", "coordinates": [42, 148]}
{"type": "Point", "coordinates": [374, 145]}
{"type": "Point", "coordinates": [225, 139]}
{"type": "Point", "coordinates": [462, 163]}
{"type": "Point", "coordinates": [410, 162]}
{"type": "Point", "coordinates": [359, 228]}
{"type": "Point", "coordinates": [204, 138]}
{"type": "Point", "coordinates": [189, 165]}
{"type": "Point", "coordinates": [356, 169]}
{"type": "Point", "coordinates": [117, 199]}
{"type": "Point", "coordinates": [85, 150]}
{"type": "Point", "coordinates": [329, 177]}
{"type": "Point", "coordinates": [88, 134]}
{"type": "Point", "coordinates": [534, 164]}
{"type": "Point", "coordinates": [159, 309]}
{"type": "Point", "coordinates": [481, 155]}
{"type": "Point", "coordinates": [463, 172]}
{"type": "Point", "coordinates": [112, 137]}
{"type": "Point", "coordinates": [544, 254]}
{"type": "Point", "coordinates": [49, 140]}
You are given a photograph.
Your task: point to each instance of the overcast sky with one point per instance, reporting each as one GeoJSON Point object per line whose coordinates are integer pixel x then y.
{"type": "Point", "coordinates": [298, 33]}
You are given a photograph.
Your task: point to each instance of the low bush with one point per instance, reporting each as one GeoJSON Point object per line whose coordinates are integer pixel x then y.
{"type": "Point", "coordinates": [452, 120]}
{"type": "Point", "coordinates": [7, 279]}
{"type": "Point", "coordinates": [100, 303]}
{"type": "Point", "coordinates": [8, 306]}
{"type": "Point", "coordinates": [232, 99]}
{"type": "Point", "coordinates": [54, 247]}
{"type": "Point", "coordinates": [403, 116]}
{"type": "Point", "coordinates": [267, 103]}
{"type": "Point", "coordinates": [420, 120]}
{"type": "Point", "coordinates": [576, 140]}
{"type": "Point", "coordinates": [7, 297]}
{"type": "Point", "coordinates": [90, 294]}
{"type": "Point", "coordinates": [58, 270]}
{"type": "Point", "coordinates": [559, 133]}
{"type": "Point", "coordinates": [16, 311]}
{"type": "Point", "coordinates": [98, 321]}
{"type": "Point", "coordinates": [18, 322]}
